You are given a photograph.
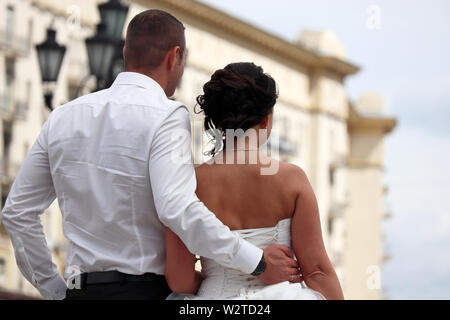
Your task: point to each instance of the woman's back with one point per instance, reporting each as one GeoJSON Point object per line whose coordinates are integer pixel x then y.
{"type": "Point", "coordinates": [243, 198]}
{"type": "Point", "coordinates": [259, 208]}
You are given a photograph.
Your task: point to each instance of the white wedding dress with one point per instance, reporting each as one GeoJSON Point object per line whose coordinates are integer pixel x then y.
{"type": "Point", "coordinates": [224, 283]}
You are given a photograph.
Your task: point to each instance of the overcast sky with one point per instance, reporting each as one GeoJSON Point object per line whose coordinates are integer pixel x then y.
{"type": "Point", "coordinates": [406, 57]}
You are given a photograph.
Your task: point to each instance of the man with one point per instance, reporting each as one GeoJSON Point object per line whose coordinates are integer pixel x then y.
{"type": "Point", "coordinates": [109, 159]}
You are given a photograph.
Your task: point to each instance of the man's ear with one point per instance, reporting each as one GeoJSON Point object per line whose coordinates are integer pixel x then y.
{"type": "Point", "coordinates": [172, 57]}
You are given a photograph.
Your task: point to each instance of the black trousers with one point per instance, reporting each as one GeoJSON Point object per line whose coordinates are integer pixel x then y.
{"type": "Point", "coordinates": [145, 290]}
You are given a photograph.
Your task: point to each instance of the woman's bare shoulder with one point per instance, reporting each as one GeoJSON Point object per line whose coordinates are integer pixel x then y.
{"type": "Point", "coordinates": [290, 169]}
{"type": "Point", "coordinates": [293, 175]}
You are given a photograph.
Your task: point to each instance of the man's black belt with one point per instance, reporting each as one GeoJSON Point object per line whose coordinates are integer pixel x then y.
{"type": "Point", "coordinates": [116, 276]}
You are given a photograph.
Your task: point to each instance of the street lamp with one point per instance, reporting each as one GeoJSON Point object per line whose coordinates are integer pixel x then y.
{"type": "Point", "coordinates": [104, 50]}
{"type": "Point", "coordinates": [101, 49]}
{"type": "Point", "coordinates": [113, 15]}
{"type": "Point", "coordinates": [50, 55]}
{"type": "Point", "coordinates": [105, 47]}
{"type": "Point", "coordinates": [117, 64]}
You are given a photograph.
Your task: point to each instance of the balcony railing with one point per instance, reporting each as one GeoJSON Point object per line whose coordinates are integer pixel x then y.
{"type": "Point", "coordinates": [6, 105]}
{"type": "Point", "coordinates": [11, 108]}
{"type": "Point", "coordinates": [13, 44]}
{"type": "Point", "coordinates": [20, 109]}
{"type": "Point", "coordinates": [282, 144]}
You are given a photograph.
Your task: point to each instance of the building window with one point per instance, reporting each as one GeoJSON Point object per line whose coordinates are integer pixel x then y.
{"type": "Point", "coordinates": [9, 81]}
{"type": "Point", "coordinates": [4, 197]}
{"type": "Point", "coordinates": [4, 194]}
{"type": "Point", "coordinates": [331, 175]}
{"type": "Point", "coordinates": [29, 92]}
{"type": "Point", "coordinates": [9, 24]}
{"type": "Point", "coordinates": [2, 272]}
{"type": "Point", "coordinates": [7, 129]}
{"type": "Point", "coordinates": [330, 225]}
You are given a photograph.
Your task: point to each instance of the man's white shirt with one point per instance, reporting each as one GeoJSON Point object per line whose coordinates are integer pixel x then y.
{"type": "Point", "coordinates": [116, 161]}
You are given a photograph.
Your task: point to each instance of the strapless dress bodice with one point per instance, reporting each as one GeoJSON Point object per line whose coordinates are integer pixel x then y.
{"type": "Point", "coordinates": [226, 283]}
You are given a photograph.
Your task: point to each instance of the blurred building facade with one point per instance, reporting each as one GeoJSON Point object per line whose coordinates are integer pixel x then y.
{"type": "Point", "coordinates": [338, 143]}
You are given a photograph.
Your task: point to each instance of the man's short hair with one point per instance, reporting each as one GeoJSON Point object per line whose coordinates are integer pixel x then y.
{"type": "Point", "coordinates": [150, 35]}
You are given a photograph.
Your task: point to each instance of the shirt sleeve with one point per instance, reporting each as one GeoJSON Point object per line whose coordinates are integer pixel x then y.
{"type": "Point", "coordinates": [32, 192]}
{"type": "Point", "coordinates": [173, 183]}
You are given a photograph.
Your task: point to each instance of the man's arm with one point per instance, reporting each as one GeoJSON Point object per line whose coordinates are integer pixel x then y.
{"type": "Point", "coordinates": [173, 183]}
{"type": "Point", "coordinates": [32, 193]}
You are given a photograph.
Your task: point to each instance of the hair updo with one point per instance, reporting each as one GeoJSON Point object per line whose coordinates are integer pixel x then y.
{"type": "Point", "coordinates": [239, 96]}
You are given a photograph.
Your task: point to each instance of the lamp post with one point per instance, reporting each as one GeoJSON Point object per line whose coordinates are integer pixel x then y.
{"type": "Point", "coordinates": [113, 15]}
{"type": "Point", "coordinates": [117, 65]}
{"type": "Point", "coordinates": [50, 55]}
{"type": "Point", "coordinates": [104, 50]}
{"type": "Point", "coordinates": [105, 47]}
{"type": "Point", "coordinates": [101, 49]}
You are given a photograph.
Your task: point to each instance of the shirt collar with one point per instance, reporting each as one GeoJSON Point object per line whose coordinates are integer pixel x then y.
{"type": "Point", "coordinates": [137, 79]}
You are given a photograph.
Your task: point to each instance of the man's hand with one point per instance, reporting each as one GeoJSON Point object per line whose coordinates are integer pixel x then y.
{"type": "Point", "coordinates": [280, 266]}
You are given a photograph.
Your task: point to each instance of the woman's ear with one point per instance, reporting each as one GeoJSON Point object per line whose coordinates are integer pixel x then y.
{"type": "Point", "coordinates": [265, 121]}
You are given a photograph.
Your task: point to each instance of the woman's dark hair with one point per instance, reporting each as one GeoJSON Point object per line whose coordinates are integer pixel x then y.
{"type": "Point", "coordinates": [239, 96]}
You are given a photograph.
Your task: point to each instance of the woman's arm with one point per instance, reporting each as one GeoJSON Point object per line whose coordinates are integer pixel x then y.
{"type": "Point", "coordinates": [307, 242]}
{"type": "Point", "coordinates": [180, 266]}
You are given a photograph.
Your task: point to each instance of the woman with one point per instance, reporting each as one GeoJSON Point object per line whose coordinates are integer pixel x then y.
{"type": "Point", "coordinates": [264, 209]}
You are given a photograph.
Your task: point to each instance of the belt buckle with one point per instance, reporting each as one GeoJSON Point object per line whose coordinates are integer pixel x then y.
{"type": "Point", "coordinates": [83, 280]}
